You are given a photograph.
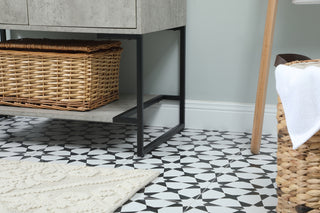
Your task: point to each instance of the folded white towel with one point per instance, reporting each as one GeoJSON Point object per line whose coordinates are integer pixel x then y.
{"type": "Point", "coordinates": [299, 89]}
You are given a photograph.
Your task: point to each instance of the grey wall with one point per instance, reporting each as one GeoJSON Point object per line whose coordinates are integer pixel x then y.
{"type": "Point", "coordinates": [224, 42]}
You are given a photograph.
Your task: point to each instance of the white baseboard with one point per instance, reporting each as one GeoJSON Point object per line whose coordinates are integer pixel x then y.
{"type": "Point", "coordinates": [212, 115]}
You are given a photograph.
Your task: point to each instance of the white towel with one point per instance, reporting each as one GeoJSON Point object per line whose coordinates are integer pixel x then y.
{"type": "Point", "coordinates": [299, 89]}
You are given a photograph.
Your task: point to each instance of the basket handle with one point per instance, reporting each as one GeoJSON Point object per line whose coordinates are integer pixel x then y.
{"type": "Point", "coordinates": [285, 58]}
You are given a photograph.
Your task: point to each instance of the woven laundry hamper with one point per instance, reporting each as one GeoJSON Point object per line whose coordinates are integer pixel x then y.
{"type": "Point", "coordinates": [59, 74]}
{"type": "Point", "coordinates": [298, 177]}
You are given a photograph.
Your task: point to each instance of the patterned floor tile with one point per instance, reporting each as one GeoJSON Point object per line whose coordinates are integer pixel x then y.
{"type": "Point", "coordinates": [201, 170]}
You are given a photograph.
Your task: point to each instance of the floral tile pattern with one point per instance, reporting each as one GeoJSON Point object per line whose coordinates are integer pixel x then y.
{"type": "Point", "coordinates": [201, 170]}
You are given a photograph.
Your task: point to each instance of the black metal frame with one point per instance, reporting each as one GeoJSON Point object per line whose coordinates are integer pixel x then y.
{"type": "Point", "coordinates": [3, 36]}
{"type": "Point", "coordinates": [126, 117]}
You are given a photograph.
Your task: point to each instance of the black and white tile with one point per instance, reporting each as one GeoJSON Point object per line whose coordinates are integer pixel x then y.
{"type": "Point", "coordinates": [201, 170]}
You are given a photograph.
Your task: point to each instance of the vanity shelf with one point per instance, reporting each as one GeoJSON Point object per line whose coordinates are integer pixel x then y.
{"type": "Point", "coordinates": [108, 19]}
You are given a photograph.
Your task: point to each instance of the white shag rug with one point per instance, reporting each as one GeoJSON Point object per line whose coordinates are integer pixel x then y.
{"type": "Point", "coordinates": [59, 188]}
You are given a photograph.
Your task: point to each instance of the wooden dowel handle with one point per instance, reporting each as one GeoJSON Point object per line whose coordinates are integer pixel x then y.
{"type": "Point", "coordinates": [263, 76]}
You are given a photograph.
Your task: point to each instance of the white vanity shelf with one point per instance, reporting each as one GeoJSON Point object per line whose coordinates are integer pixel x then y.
{"type": "Point", "coordinates": [102, 114]}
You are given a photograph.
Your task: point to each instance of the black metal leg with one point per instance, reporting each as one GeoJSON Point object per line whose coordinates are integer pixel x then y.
{"type": "Point", "coordinates": [141, 105]}
{"type": "Point", "coordinates": [3, 36]}
{"type": "Point", "coordinates": [140, 124]}
{"type": "Point", "coordinates": [182, 74]}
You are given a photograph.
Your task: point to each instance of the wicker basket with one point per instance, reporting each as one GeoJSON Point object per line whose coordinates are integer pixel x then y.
{"type": "Point", "coordinates": [59, 74]}
{"type": "Point", "coordinates": [298, 177]}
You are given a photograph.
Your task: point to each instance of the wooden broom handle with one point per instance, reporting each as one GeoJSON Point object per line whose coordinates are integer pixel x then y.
{"type": "Point", "coordinates": [263, 76]}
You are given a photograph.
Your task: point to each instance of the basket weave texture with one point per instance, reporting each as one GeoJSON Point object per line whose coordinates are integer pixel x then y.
{"type": "Point", "coordinates": [298, 176]}
{"type": "Point", "coordinates": [59, 74]}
